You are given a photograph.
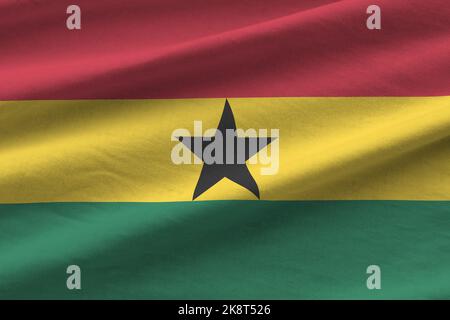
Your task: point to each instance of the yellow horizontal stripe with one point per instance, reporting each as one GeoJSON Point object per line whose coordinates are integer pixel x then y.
{"type": "Point", "coordinates": [330, 148]}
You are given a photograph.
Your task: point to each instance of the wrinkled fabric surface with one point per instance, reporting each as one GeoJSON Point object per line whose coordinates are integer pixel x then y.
{"type": "Point", "coordinates": [86, 177]}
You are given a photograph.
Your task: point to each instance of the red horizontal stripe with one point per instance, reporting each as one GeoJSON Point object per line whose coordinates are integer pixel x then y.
{"type": "Point", "coordinates": [223, 48]}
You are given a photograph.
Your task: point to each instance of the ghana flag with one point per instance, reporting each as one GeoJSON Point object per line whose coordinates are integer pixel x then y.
{"type": "Point", "coordinates": [224, 149]}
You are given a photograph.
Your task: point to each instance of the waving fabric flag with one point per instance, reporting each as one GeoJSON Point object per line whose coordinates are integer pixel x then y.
{"type": "Point", "coordinates": [107, 135]}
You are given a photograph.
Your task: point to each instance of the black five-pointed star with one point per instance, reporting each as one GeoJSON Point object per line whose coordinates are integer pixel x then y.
{"type": "Point", "coordinates": [236, 171]}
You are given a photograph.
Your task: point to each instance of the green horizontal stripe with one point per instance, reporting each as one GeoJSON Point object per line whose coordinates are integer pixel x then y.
{"type": "Point", "coordinates": [226, 249]}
